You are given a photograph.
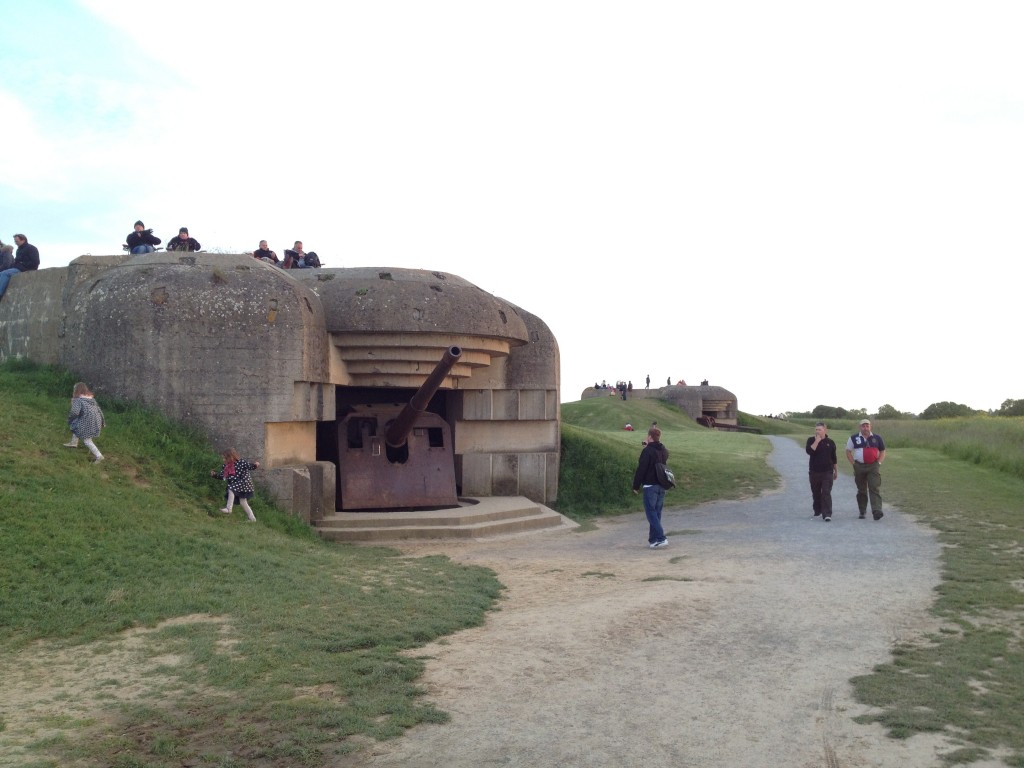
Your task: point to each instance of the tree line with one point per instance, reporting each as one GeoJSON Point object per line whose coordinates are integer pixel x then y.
{"type": "Point", "coordinates": [946, 409]}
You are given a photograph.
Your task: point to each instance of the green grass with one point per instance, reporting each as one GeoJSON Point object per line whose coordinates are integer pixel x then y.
{"type": "Point", "coordinates": [996, 442]}
{"type": "Point", "coordinates": [90, 550]}
{"type": "Point", "coordinates": [599, 458]}
{"type": "Point", "coordinates": [967, 680]}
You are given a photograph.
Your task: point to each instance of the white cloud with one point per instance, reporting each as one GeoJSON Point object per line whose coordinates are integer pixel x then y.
{"type": "Point", "coordinates": [31, 164]}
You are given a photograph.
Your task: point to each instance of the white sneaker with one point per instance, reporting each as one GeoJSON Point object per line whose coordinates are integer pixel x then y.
{"type": "Point", "coordinates": [659, 544]}
{"type": "Point", "coordinates": [224, 511]}
{"type": "Point", "coordinates": [72, 444]}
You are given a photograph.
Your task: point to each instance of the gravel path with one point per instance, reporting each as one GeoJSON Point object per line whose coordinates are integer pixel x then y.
{"type": "Point", "coordinates": [731, 647]}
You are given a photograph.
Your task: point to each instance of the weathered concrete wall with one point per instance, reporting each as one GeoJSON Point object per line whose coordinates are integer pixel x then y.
{"type": "Point", "coordinates": [308, 490]}
{"type": "Point", "coordinates": [220, 341]}
{"type": "Point", "coordinates": [416, 301]}
{"type": "Point", "coordinates": [507, 437]}
{"type": "Point", "coordinates": [32, 315]}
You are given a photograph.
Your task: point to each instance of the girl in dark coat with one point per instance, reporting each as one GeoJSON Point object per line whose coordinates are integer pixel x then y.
{"type": "Point", "coordinates": [85, 419]}
{"type": "Point", "coordinates": [235, 472]}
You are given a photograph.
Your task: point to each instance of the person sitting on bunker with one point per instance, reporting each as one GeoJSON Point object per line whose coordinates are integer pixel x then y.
{"type": "Point", "coordinates": [142, 240]}
{"type": "Point", "coordinates": [296, 258]}
{"type": "Point", "coordinates": [263, 253]}
{"type": "Point", "coordinates": [26, 259]}
{"type": "Point", "coordinates": [183, 242]}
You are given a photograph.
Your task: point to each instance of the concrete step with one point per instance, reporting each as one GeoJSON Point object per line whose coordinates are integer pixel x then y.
{"type": "Point", "coordinates": [473, 519]}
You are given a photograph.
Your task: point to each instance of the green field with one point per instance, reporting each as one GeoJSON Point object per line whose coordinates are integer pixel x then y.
{"type": "Point", "coordinates": [599, 457]}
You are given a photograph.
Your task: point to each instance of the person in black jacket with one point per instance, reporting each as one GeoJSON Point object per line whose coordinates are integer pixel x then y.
{"type": "Point", "coordinates": [263, 253]}
{"type": "Point", "coordinates": [647, 478]}
{"type": "Point", "coordinates": [26, 259]}
{"type": "Point", "coordinates": [183, 242]}
{"type": "Point", "coordinates": [296, 258]}
{"type": "Point", "coordinates": [822, 470]}
{"type": "Point", "coordinates": [142, 240]}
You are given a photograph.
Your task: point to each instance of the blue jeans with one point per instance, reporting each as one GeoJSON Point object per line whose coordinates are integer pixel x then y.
{"type": "Point", "coordinates": [654, 500]}
{"type": "Point", "coordinates": [143, 249]}
{"type": "Point", "coordinates": [5, 278]}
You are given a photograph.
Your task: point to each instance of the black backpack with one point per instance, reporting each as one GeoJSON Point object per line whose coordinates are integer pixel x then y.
{"type": "Point", "coordinates": [666, 479]}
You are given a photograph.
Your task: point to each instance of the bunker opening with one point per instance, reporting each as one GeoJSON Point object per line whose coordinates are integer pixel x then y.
{"type": "Point", "coordinates": [393, 446]}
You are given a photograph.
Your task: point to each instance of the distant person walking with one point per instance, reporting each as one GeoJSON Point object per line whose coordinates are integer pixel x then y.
{"type": "Point", "coordinates": [85, 419]}
{"type": "Point", "coordinates": [668, 383]}
{"type": "Point", "coordinates": [183, 242]}
{"type": "Point", "coordinates": [235, 472]}
{"type": "Point", "coordinates": [648, 381]}
{"type": "Point", "coordinates": [646, 477]}
{"type": "Point", "coordinates": [866, 452]}
{"type": "Point", "coordinates": [822, 470]}
{"type": "Point", "coordinates": [142, 240]}
{"type": "Point", "coordinates": [26, 259]}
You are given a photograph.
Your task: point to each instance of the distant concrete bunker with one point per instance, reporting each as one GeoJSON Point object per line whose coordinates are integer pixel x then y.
{"type": "Point", "coordinates": [306, 371]}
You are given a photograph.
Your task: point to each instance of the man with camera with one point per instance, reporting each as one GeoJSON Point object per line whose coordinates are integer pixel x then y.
{"type": "Point", "coordinates": [142, 240]}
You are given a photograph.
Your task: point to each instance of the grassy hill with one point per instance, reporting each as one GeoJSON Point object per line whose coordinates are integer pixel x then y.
{"type": "Point", "coordinates": [287, 648]}
{"type": "Point", "coordinates": [599, 457]}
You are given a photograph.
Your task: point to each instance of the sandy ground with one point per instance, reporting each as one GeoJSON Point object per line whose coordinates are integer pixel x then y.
{"type": "Point", "coordinates": [732, 647]}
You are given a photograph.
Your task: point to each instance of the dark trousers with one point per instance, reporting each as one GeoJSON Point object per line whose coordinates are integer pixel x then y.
{"type": "Point", "coordinates": [821, 492]}
{"type": "Point", "coordinates": [868, 478]}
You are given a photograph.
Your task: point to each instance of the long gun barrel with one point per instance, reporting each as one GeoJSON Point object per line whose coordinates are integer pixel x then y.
{"type": "Point", "coordinates": [398, 433]}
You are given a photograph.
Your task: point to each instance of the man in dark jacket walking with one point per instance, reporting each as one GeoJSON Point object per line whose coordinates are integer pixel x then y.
{"type": "Point", "coordinates": [654, 495]}
{"type": "Point", "coordinates": [822, 470]}
{"type": "Point", "coordinates": [26, 259]}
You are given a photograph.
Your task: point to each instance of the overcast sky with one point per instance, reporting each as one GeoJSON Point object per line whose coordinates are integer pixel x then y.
{"type": "Point", "coordinates": [802, 202]}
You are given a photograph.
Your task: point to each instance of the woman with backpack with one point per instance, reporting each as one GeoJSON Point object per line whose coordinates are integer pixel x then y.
{"type": "Point", "coordinates": [646, 477]}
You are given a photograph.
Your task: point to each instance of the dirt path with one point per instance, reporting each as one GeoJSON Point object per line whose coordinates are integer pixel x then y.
{"type": "Point", "coordinates": [730, 648]}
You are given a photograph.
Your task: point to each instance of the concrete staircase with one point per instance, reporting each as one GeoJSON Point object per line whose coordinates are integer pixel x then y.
{"type": "Point", "coordinates": [472, 519]}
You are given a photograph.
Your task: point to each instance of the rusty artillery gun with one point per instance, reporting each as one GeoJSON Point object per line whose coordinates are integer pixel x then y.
{"type": "Point", "coordinates": [392, 456]}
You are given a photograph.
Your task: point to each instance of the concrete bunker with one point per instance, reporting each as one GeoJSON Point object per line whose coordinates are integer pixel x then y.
{"type": "Point", "coordinates": [299, 369]}
{"type": "Point", "coordinates": [706, 404]}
